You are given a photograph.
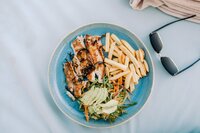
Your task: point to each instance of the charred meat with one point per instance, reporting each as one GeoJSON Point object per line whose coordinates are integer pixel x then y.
{"type": "Point", "coordinates": [86, 62]}
{"type": "Point", "coordinates": [74, 84]}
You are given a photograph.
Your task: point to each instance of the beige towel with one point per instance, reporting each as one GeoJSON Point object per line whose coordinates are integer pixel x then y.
{"type": "Point", "coordinates": [178, 8]}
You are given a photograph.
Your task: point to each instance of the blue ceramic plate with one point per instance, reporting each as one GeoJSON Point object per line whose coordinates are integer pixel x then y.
{"type": "Point", "coordinates": [57, 78]}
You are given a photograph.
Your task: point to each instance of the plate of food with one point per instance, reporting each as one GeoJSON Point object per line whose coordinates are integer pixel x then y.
{"type": "Point", "coordinates": [100, 75]}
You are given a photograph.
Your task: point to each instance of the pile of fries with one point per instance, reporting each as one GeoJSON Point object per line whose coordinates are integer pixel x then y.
{"type": "Point", "coordinates": [124, 65]}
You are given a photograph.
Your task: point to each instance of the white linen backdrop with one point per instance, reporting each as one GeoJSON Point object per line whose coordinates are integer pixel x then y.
{"type": "Point", "coordinates": [31, 29]}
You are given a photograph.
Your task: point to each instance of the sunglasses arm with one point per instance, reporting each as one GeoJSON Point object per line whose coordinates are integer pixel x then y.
{"type": "Point", "coordinates": [172, 23]}
{"type": "Point", "coordinates": [188, 67]}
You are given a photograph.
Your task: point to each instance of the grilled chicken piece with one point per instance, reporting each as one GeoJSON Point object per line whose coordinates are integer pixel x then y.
{"type": "Point", "coordinates": [82, 60]}
{"type": "Point", "coordinates": [94, 46]}
{"type": "Point", "coordinates": [78, 44]}
{"type": "Point", "coordinates": [85, 62]}
{"type": "Point", "coordinates": [72, 79]}
{"type": "Point", "coordinates": [78, 87]}
{"type": "Point", "coordinates": [76, 65]}
{"type": "Point", "coordinates": [86, 65]}
{"type": "Point", "coordinates": [91, 76]}
{"type": "Point", "coordinates": [100, 71]}
{"type": "Point", "coordinates": [70, 75]}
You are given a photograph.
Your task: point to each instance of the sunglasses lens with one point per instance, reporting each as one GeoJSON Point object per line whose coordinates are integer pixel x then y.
{"type": "Point", "coordinates": [156, 42]}
{"type": "Point", "coordinates": [169, 65]}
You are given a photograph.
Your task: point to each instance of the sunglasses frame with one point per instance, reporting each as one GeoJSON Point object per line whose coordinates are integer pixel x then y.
{"type": "Point", "coordinates": [160, 46]}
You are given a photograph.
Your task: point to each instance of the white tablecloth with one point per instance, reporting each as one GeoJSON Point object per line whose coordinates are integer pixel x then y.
{"type": "Point", "coordinates": [31, 29]}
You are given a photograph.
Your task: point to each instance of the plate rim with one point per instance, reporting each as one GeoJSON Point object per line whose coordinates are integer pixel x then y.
{"type": "Point", "coordinates": [50, 87]}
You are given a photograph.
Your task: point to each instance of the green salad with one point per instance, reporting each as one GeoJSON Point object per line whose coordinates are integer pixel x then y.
{"type": "Point", "coordinates": [102, 102]}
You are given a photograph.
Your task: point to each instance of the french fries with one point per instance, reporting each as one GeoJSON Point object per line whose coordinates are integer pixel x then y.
{"type": "Point", "coordinates": [108, 66]}
{"type": "Point", "coordinates": [104, 48]}
{"type": "Point", "coordinates": [115, 72]}
{"type": "Point", "coordinates": [115, 59]}
{"type": "Point", "coordinates": [120, 57]}
{"type": "Point", "coordinates": [115, 54]}
{"type": "Point", "coordinates": [125, 65]}
{"type": "Point", "coordinates": [119, 75]}
{"type": "Point", "coordinates": [113, 69]}
{"type": "Point", "coordinates": [128, 53]}
{"type": "Point", "coordinates": [137, 55]}
{"type": "Point", "coordinates": [107, 42]}
{"type": "Point", "coordinates": [141, 55]}
{"type": "Point", "coordinates": [126, 61]}
{"type": "Point", "coordinates": [111, 40]}
{"type": "Point", "coordinates": [138, 72]}
{"type": "Point", "coordinates": [132, 87]}
{"type": "Point", "coordinates": [116, 64]}
{"type": "Point", "coordinates": [123, 58]}
{"type": "Point", "coordinates": [117, 49]}
{"type": "Point", "coordinates": [135, 77]}
{"type": "Point", "coordinates": [128, 46]}
{"type": "Point", "coordinates": [120, 81]}
{"type": "Point", "coordinates": [146, 66]}
{"type": "Point", "coordinates": [112, 47]}
{"type": "Point", "coordinates": [142, 69]}
{"type": "Point", "coordinates": [128, 80]}
{"type": "Point", "coordinates": [116, 39]}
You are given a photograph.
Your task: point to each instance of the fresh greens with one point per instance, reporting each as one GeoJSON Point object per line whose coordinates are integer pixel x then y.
{"type": "Point", "coordinates": [104, 84]}
{"type": "Point", "coordinates": [99, 99]}
{"type": "Point", "coordinates": [128, 105]}
{"type": "Point", "coordinates": [120, 110]}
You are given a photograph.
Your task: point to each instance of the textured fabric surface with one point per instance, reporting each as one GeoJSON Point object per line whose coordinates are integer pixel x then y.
{"type": "Point", "coordinates": [178, 8]}
{"type": "Point", "coordinates": [31, 29]}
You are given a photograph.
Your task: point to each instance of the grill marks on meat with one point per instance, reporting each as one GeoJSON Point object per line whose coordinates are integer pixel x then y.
{"type": "Point", "coordinates": [76, 65]}
{"type": "Point", "coordinates": [94, 46]}
{"type": "Point", "coordinates": [74, 84]}
{"type": "Point", "coordinates": [83, 63]}
{"type": "Point", "coordinates": [100, 71]}
{"type": "Point", "coordinates": [70, 75]}
{"type": "Point", "coordinates": [87, 62]}
{"type": "Point", "coordinates": [78, 44]}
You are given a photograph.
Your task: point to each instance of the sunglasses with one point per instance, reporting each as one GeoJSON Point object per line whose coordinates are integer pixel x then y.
{"type": "Point", "coordinates": [157, 45]}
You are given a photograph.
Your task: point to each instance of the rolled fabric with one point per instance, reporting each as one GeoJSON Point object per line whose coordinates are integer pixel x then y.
{"type": "Point", "coordinates": [177, 8]}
